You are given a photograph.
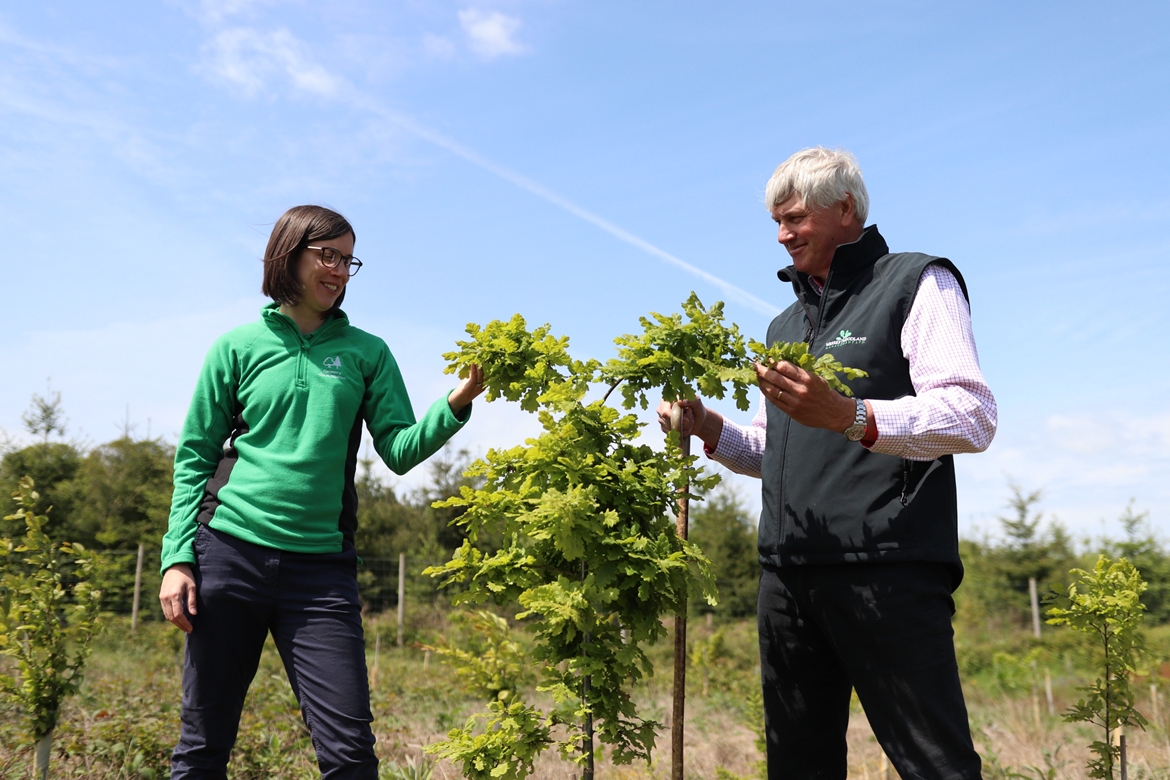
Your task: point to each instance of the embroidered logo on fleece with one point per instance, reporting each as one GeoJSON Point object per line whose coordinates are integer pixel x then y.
{"type": "Point", "coordinates": [332, 367]}
{"type": "Point", "coordinates": [845, 337]}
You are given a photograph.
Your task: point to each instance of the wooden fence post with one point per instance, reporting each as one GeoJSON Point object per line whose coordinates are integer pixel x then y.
{"type": "Point", "coordinates": [1035, 606]}
{"type": "Point", "coordinates": [377, 648]}
{"type": "Point", "coordinates": [401, 596]}
{"type": "Point", "coordinates": [1154, 696]}
{"type": "Point", "coordinates": [137, 587]}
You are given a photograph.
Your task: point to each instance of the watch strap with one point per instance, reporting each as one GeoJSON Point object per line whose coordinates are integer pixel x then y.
{"type": "Point", "coordinates": [856, 431]}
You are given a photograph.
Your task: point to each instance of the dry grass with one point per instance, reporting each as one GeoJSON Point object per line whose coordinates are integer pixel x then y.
{"type": "Point", "coordinates": [132, 693]}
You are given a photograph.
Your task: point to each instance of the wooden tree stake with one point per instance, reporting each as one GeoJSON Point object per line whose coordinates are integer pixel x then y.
{"type": "Point", "coordinates": [137, 587]}
{"type": "Point", "coordinates": [401, 596]}
{"type": "Point", "coordinates": [680, 623]}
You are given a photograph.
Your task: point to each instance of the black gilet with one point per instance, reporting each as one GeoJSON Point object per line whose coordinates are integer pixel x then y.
{"type": "Point", "coordinates": [829, 500]}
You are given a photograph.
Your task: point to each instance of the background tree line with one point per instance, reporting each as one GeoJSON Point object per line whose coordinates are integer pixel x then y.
{"type": "Point", "coordinates": [116, 495]}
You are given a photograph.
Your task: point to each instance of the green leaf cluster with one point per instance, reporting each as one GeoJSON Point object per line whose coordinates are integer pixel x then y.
{"type": "Point", "coordinates": [681, 358]}
{"type": "Point", "coordinates": [1106, 603]}
{"type": "Point", "coordinates": [520, 365]}
{"type": "Point", "coordinates": [505, 749]}
{"type": "Point", "coordinates": [494, 667]}
{"type": "Point", "coordinates": [48, 612]}
{"type": "Point", "coordinates": [695, 353]}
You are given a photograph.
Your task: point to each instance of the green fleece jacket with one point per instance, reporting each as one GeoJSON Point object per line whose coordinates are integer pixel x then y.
{"type": "Point", "coordinates": [293, 407]}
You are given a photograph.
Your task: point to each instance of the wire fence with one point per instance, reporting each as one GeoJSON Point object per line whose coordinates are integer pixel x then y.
{"type": "Point", "coordinates": [130, 581]}
{"type": "Point", "coordinates": [379, 583]}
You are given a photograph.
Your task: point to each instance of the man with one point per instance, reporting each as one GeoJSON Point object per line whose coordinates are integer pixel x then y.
{"type": "Point", "coordinates": [858, 532]}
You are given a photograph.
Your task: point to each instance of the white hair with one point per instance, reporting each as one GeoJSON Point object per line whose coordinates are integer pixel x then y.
{"type": "Point", "coordinates": [820, 177]}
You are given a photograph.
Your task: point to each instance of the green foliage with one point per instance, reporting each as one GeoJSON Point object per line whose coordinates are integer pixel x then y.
{"type": "Point", "coordinates": [994, 592]}
{"type": "Point", "coordinates": [721, 527]}
{"type": "Point", "coordinates": [411, 770]}
{"type": "Point", "coordinates": [1142, 547]}
{"type": "Point", "coordinates": [1106, 604]}
{"type": "Point", "coordinates": [45, 415]}
{"type": "Point", "coordinates": [826, 366]}
{"type": "Point", "coordinates": [579, 517]}
{"type": "Point", "coordinates": [586, 548]}
{"type": "Point", "coordinates": [48, 611]}
{"type": "Point", "coordinates": [52, 466]}
{"type": "Point", "coordinates": [387, 523]}
{"type": "Point", "coordinates": [590, 552]}
{"type": "Point", "coordinates": [519, 365]}
{"type": "Point", "coordinates": [495, 666]}
{"type": "Point", "coordinates": [699, 355]}
{"type": "Point", "coordinates": [514, 735]}
{"type": "Point", "coordinates": [680, 358]}
{"type": "Point", "coordinates": [122, 494]}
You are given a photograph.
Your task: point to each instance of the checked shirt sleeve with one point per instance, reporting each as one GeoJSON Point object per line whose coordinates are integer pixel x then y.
{"type": "Point", "coordinates": [953, 410]}
{"type": "Point", "coordinates": [741, 448]}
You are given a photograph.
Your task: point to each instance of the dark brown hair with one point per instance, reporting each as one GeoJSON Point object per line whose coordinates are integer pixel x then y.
{"type": "Point", "coordinates": [297, 228]}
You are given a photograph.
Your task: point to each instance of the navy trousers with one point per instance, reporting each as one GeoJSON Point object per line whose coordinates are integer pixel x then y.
{"type": "Point", "coordinates": [310, 604]}
{"type": "Point", "coordinates": [883, 629]}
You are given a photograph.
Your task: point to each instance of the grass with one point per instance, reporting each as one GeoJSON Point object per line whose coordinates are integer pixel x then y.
{"type": "Point", "coordinates": [125, 720]}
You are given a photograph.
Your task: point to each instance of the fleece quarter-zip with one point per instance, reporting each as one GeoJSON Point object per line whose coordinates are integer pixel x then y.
{"type": "Point", "coordinates": [829, 500]}
{"type": "Point", "coordinates": [290, 410]}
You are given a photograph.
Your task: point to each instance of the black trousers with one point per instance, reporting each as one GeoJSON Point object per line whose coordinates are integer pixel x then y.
{"type": "Point", "coordinates": [310, 604]}
{"type": "Point", "coordinates": [883, 629]}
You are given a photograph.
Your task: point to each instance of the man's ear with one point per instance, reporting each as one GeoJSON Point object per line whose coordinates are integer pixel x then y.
{"type": "Point", "coordinates": [848, 215]}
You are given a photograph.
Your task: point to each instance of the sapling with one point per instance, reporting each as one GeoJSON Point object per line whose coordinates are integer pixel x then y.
{"type": "Point", "coordinates": [48, 612]}
{"type": "Point", "coordinates": [1106, 604]}
{"type": "Point", "coordinates": [590, 554]}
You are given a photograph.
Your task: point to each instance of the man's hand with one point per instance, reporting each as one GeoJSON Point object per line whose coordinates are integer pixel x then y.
{"type": "Point", "coordinates": [697, 420]}
{"type": "Point", "coordinates": [468, 389]}
{"type": "Point", "coordinates": [178, 588]}
{"type": "Point", "coordinates": [805, 397]}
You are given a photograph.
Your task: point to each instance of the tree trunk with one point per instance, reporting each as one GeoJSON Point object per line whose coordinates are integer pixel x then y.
{"type": "Point", "coordinates": [587, 740]}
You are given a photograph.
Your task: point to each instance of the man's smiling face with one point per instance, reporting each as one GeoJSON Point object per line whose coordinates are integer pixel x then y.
{"type": "Point", "coordinates": [812, 235]}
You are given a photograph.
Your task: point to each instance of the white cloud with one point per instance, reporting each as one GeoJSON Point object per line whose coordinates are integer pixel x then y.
{"type": "Point", "coordinates": [490, 34]}
{"type": "Point", "coordinates": [1089, 463]}
{"type": "Point", "coordinates": [1082, 435]}
{"type": "Point", "coordinates": [250, 60]}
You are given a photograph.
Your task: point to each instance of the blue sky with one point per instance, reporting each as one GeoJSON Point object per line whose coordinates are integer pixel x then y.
{"type": "Point", "coordinates": [586, 163]}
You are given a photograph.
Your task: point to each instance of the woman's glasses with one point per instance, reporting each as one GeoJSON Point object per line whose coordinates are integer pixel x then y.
{"type": "Point", "coordinates": [331, 258]}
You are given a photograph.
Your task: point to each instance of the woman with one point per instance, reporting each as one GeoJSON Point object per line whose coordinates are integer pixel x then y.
{"type": "Point", "coordinates": [261, 533]}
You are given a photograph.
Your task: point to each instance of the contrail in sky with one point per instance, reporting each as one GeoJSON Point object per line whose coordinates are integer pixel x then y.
{"type": "Point", "coordinates": [729, 290]}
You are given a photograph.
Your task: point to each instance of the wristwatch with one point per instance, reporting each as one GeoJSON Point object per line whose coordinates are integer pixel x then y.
{"type": "Point", "coordinates": [856, 431]}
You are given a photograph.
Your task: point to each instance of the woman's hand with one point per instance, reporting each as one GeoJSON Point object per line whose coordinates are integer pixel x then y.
{"type": "Point", "coordinates": [468, 389]}
{"type": "Point", "coordinates": [178, 588]}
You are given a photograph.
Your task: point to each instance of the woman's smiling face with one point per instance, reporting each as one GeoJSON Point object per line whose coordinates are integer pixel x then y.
{"type": "Point", "coordinates": [320, 286]}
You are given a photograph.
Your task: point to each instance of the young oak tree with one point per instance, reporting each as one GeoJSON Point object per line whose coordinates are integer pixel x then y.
{"type": "Point", "coordinates": [48, 611]}
{"type": "Point", "coordinates": [1106, 604]}
{"type": "Point", "coordinates": [590, 554]}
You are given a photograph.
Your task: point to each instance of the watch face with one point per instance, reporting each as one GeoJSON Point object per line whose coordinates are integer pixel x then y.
{"type": "Point", "coordinates": [855, 432]}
